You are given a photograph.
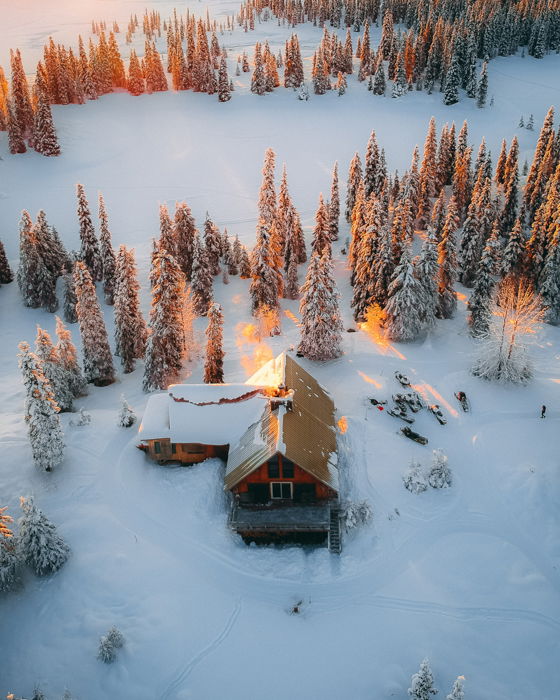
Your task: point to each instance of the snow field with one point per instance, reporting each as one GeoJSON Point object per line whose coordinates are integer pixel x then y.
{"type": "Point", "coordinates": [467, 576]}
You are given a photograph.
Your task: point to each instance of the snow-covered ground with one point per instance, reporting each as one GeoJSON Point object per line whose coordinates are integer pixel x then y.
{"type": "Point", "coordinates": [468, 576]}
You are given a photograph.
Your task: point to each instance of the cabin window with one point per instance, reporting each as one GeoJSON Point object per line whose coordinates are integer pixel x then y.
{"type": "Point", "coordinates": [287, 468]}
{"type": "Point", "coordinates": [157, 447]}
{"type": "Point", "coordinates": [173, 448]}
{"type": "Point", "coordinates": [273, 467]}
{"type": "Point", "coordinates": [281, 490]}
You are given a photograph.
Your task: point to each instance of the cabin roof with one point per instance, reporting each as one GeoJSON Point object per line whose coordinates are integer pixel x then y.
{"type": "Point", "coordinates": [305, 433]}
{"type": "Point", "coordinates": [208, 414]}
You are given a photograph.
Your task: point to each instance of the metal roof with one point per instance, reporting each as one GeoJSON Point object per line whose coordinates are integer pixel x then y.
{"type": "Point", "coordinates": [305, 434]}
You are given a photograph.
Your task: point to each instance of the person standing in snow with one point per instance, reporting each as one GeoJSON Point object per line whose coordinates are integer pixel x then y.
{"type": "Point", "coordinates": [543, 411]}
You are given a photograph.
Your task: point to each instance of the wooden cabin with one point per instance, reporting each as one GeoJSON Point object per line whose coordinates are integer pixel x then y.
{"type": "Point", "coordinates": [277, 435]}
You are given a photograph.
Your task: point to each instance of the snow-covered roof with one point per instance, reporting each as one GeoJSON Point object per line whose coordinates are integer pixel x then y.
{"type": "Point", "coordinates": [208, 414]}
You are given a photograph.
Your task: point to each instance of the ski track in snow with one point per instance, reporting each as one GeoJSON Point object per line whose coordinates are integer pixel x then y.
{"type": "Point", "coordinates": [179, 679]}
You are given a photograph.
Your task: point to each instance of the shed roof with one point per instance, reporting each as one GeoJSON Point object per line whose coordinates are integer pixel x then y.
{"type": "Point", "coordinates": [209, 414]}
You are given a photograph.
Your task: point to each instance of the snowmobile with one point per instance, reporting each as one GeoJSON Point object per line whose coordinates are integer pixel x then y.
{"type": "Point", "coordinates": [402, 379]}
{"type": "Point", "coordinates": [407, 432]}
{"type": "Point", "coordinates": [462, 399]}
{"type": "Point", "coordinates": [376, 402]}
{"type": "Point", "coordinates": [435, 409]}
{"type": "Point", "coordinates": [400, 412]}
{"type": "Point", "coordinates": [411, 399]}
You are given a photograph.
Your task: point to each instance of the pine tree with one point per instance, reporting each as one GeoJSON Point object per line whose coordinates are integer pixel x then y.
{"type": "Point", "coordinates": [404, 300]}
{"type": "Point", "coordinates": [89, 253]}
{"type": "Point", "coordinates": [354, 180]}
{"type": "Point", "coordinates": [166, 233]}
{"type": "Point", "coordinates": [439, 476]}
{"type": "Point", "coordinates": [321, 325]}
{"type": "Point", "coordinates": [48, 264]}
{"type": "Point", "coordinates": [479, 301]}
{"type": "Point", "coordinates": [23, 111]}
{"type": "Point", "coordinates": [223, 83]}
{"type": "Point", "coordinates": [16, 142]}
{"type": "Point", "coordinates": [426, 271]}
{"type": "Point", "coordinates": [69, 295]}
{"type": "Point", "coordinates": [322, 230]}
{"type": "Point", "coordinates": [6, 274]}
{"type": "Point", "coordinates": [457, 692]}
{"type": "Point", "coordinates": [428, 170]}
{"type": "Point", "coordinates": [31, 266]}
{"type": "Point", "coordinates": [452, 81]}
{"type": "Point", "coordinates": [41, 547]}
{"type": "Point", "coordinates": [130, 327]}
{"type": "Point", "coordinates": [267, 193]}
{"type": "Point", "coordinates": [472, 242]}
{"type": "Point", "coordinates": [98, 362]}
{"type": "Point", "coordinates": [9, 560]}
{"type": "Point", "coordinates": [107, 254]}
{"type": "Point", "coordinates": [164, 349]}
{"type": "Point", "coordinates": [447, 259]}
{"type": "Point", "coordinates": [422, 683]}
{"type": "Point", "coordinates": [44, 138]}
{"type": "Point", "coordinates": [334, 205]}
{"type": "Point", "coordinates": [135, 78]}
{"type": "Point", "coordinates": [68, 359]}
{"type": "Point", "coordinates": [264, 283]}
{"type": "Point", "coordinates": [482, 87]}
{"type": "Point", "coordinates": [214, 362]}
{"type": "Point", "coordinates": [379, 81]}
{"type": "Point", "coordinates": [54, 371]}
{"type": "Point", "coordinates": [549, 282]}
{"type": "Point", "coordinates": [41, 412]}
{"type": "Point", "coordinates": [400, 84]}
{"type": "Point", "coordinates": [184, 230]}
{"type": "Point", "coordinates": [127, 417]}
{"type": "Point", "coordinates": [512, 257]}
{"type": "Point", "coordinates": [201, 278]}
{"type": "Point", "coordinates": [258, 79]}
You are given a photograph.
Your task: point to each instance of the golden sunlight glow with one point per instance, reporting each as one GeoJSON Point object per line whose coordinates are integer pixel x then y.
{"type": "Point", "coordinates": [342, 424]}
{"type": "Point", "coordinates": [254, 352]}
{"type": "Point", "coordinates": [462, 297]}
{"type": "Point", "coordinates": [372, 326]}
{"type": "Point", "coordinates": [426, 389]}
{"type": "Point", "coordinates": [292, 317]}
{"type": "Point", "coordinates": [370, 380]}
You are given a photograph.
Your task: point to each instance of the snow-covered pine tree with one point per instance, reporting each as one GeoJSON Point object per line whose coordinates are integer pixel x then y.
{"type": "Point", "coordinates": [166, 232]}
{"type": "Point", "coordinates": [322, 230]}
{"type": "Point", "coordinates": [107, 254]}
{"type": "Point", "coordinates": [404, 301]}
{"type": "Point", "coordinates": [41, 547]}
{"type": "Point", "coordinates": [184, 229]}
{"type": "Point", "coordinates": [201, 277]}
{"type": "Point", "coordinates": [50, 249]}
{"type": "Point", "coordinates": [513, 255]}
{"type": "Point", "coordinates": [400, 84]}
{"type": "Point", "coordinates": [384, 266]}
{"type": "Point", "coordinates": [68, 358]}
{"type": "Point", "coordinates": [30, 263]}
{"type": "Point", "coordinates": [9, 560]}
{"type": "Point", "coordinates": [291, 288]}
{"type": "Point", "coordinates": [90, 254]}
{"type": "Point", "coordinates": [53, 370]}
{"type": "Point", "coordinates": [428, 181]}
{"type": "Point", "coordinates": [130, 327]}
{"type": "Point", "coordinates": [371, 166]}
{"type": "Point", "coordinates": [515, 314]}
{"type": "Point", "coordinates": [457, 692]}
{"type": "Point", "coordinates": [44, 137]}
{"type": "Point", "coordinates": [379, 80]}
{"type": "Point", "coordinates": [354, 180]}
{"type": "Point", "coordinates": [135, 83]}
{"type": "Point", "coordinates": [482, 87]}
{"type": "Point", "coordinates": [127, 417]}
{"type": "Point", "coordinates": [214, 361]}
{"type": "Point", "coordinates": [549, 282]}
{"type": "Point", "coordinates": [213, 245]}
{"type": "Point", "coordinates": [258, 79]}
{"type": "Point", "coordinates": [439, 476]}
{"type": "Point", "coordinates": [321, 326]}
{"type": "Point", "coordinates": [447, 260]}
{"type": "Point", "coordinates": [164, 349]}
{"type": "Point", "coordinates": [414, 480]}
{"type": "Point", "coordinates": [267, 192]}
{"type": "Point", "coordinates": [364, 280]}
{"type": "Point", "coordinates": [108, 645]}
{"type": "Point", "coordinates": [224, 94]}
{"type": "Point", "coordinates": [69, 294]}
{"type": "Point", "coordinates": [41, 412]}
{"type": "Point", "coordinates": [264, 284]}
{"type": "Point", "coordinates": [426, 271]}
{"type": "Point", "coordinates": [422, 683]}
{"type": "Point", "coordinates": [98, 362]}
{"type": "Point", "coordinates": [16, 143]}
{"type": "Point", "coordinates": [334, 204]}
{"type": "Point", "coordinates": [479, 301]}
{"type": "Point", "coordinates": [6, 274]}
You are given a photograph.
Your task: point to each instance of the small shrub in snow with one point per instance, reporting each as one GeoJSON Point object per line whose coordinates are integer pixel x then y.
{"type": "Point", "coordinates": [414, 479]}
{"type": "Point", "coordinates": [303, 93]}
{"type": "Point", "coordinates": [422, 683]}
{"type": "Point", "coordinates": [440, 475]}
{"type": "Point", "coordinates": [39, 543]}
{"type": "Point", "coordinates": [84, 418]}
{"type": "Point", "coordinates": [356, 514]}
{"type": "Point", "coordinates": [127, 417]}
{"type": "Point", "coordinates": [108, 645]}
{"type": "Point", "coordinates": [38, 694]}
{"type": "Point", "coordinates": [457, 692]}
